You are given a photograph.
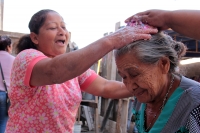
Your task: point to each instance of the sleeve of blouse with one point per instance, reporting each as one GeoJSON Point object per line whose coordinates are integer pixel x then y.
{"type": "Point", "coordinates": [87, 78]}
{"type": "Point", "coordinates": [23, 66]}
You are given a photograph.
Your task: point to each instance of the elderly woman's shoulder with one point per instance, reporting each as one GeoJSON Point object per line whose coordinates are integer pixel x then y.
{"type": "Point", "coordinates": [187, 83]}
{"type": "Point", "coordinates": [191, 89]}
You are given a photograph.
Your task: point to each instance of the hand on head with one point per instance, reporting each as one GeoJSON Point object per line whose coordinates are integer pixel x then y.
{"type": "Point", "coordinates": [130, 34]}
{"type": "Point", "coordinates": [139, 24]}
{"type": "Point", "coordinates": [154, 18]}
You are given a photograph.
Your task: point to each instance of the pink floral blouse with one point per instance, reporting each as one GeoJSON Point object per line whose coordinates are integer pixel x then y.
{"type": "Point", "coordinates": [43, 109]}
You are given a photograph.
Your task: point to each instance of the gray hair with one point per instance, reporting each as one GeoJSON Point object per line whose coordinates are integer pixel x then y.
{"type": "Point", "coordinates": [150, 51]}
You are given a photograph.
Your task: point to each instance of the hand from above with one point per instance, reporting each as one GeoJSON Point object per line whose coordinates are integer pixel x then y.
{"type": "Point", "coordinates": [156, 18]}
{"type": "Point", "coordinates": [129, 34]}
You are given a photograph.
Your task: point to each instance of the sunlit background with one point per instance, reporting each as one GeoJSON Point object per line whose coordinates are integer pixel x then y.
{"type": "Point", "coordinates": [87, 20]}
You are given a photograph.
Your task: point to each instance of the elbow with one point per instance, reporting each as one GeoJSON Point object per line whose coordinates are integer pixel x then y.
{"type": "Point", "coordinates": [54, 75]}
{"type": "Point", "coordinates": [61, 74]}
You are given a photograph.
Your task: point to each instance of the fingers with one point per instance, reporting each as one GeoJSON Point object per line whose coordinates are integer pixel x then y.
{"type": "Point", "coordinates": [143, 13]}
{"type": "Point", "coordinates": [138, 33]}
{"type": "Point", "coordinates": [133, 18]}
{"type": "Point", "coordinates": [129, 19]}
{"type": "Point", "coordinates": [141, 37]}
{"type": "Point", "coordinates": [129, 34]}
{"type": "Point", "coordinates": [136, 17]}
{"type": "Point", "coordinates": [144, 19]}
{"type": "Point", "coordinates": [143, 29]}
{"type": "Point", "coordinates": [150, 30]}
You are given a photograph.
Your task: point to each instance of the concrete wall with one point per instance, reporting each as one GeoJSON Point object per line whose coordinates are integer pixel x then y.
{"type": "Point", "coordinates": [190, 70]}
{"type": "Point", "coordinates": [1, 13]}
{"type": "Point", "coordinates": [13, 35]}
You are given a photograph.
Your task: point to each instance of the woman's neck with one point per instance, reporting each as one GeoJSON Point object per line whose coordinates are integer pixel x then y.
{"type": "Point", "coordinates": [165, 94]}
{"type": "Point", "coordinates": [153, 109]}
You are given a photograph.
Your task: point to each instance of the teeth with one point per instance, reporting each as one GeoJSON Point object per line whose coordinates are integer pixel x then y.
{"type": "Point", "coordinates": [60, 41]}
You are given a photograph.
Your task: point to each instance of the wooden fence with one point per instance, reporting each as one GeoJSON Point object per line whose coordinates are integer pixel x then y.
{"type": "Point", "coordinates": [118, 110]}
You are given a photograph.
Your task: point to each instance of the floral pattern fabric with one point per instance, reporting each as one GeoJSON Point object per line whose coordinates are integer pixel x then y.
{"type": "Point", "coordinates": [43, 109]}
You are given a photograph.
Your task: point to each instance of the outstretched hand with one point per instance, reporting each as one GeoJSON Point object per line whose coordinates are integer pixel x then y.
{"type": "Point", "coordinates": [130, 34]}
{"type": "Point", "coordinates": [156, 18]}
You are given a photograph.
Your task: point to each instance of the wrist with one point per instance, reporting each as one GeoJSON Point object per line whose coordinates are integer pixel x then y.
{"type": "Point", "coordinates": [108, 43]}
{"type": "Point", "coordinates": [168, 18]}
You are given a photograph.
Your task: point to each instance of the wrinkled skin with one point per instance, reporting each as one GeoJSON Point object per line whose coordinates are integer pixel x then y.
{"type": "Point", "coordinates": [129, 34]}
{"type": "Point", "coordinates": [148, 83]}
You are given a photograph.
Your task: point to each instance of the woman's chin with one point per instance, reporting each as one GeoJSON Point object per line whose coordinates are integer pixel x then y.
{"type": "Point", "coordinates": [61, 51]}
{"type": "Point", "coordinates": [143, 99]}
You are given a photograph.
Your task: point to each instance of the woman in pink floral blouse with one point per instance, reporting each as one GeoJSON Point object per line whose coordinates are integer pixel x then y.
{"type": "Point", "coordinates": [46, 82]}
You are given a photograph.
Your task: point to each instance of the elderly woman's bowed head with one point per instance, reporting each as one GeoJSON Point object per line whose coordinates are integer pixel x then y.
{"type": "Point", "coordinates": [165, 101]}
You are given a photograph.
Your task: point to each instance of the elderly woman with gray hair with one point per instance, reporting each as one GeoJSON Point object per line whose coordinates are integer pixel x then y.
{"type": "Point", "coordinates": [165, 101]}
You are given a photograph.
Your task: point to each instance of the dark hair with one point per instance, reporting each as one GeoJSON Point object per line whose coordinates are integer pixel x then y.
{"type": "Point", "coordinates": [36, 22]}
{"type": "Point", "coordinates": [4, 42]}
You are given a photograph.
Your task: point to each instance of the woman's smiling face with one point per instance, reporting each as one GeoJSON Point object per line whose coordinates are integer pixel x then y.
{"type": "Point", "coordinates": [144, 81]}
{"type": "Point", "coordinates": [53, 36]}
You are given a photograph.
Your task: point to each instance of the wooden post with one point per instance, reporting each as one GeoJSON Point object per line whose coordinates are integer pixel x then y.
{"type": "Point", "coordinates": [1, 13]}
{"type": "Point", "coordinates": [124, 112]}
{"type": "Point", "coordinates": [118, 122]}
{"type": "Point", "coordinates": [96, 116]}
{"type": "Point", "coordinates": [119, 110]}
{"type": "Point", "coordinates": [109, 71]}
{"type": "Point", "coordinates": [196, 45]}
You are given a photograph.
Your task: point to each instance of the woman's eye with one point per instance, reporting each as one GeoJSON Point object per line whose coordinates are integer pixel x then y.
{"type": "Point", "coordinates": [52, 28]}
{"type": "Point", "coordinates": [124, 77]}
{"type": "Point", "coordinates": [64, 28]}
{"type": "Point", "coordinates": [133, 75]}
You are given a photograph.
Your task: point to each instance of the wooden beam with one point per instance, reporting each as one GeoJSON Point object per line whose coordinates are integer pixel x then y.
{"type": "Point", "coordinates": [90, 103]}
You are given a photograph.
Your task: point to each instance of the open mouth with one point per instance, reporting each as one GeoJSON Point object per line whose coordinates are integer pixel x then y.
{"type": "Point", "coordinates": [60, 42]}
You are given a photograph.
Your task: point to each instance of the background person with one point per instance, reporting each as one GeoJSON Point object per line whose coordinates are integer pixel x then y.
{"type": "Point", "coordinates": [6, 60]}
{"type": "Point", "coordinates": [46, 82]}
{"type": "Point", "coordinates": [165, 102]}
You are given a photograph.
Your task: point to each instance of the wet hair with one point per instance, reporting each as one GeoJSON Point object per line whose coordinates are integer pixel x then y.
{"type": "Point", "coordinates": [150, 51]}
{"type": "Point", "coordinates": [4, 42]}
{"type": "Point", "coordinates": [36, 22]}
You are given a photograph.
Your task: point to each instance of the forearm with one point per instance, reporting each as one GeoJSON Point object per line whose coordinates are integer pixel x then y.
{"type": "Point", "coordinates": [67, 66]}
{"type": "Point", "coordinates": [185, 22]}
{"type": "Point", "coordinates": [77, 62]}
{"type": "Point", "coordinates": [116, 90]}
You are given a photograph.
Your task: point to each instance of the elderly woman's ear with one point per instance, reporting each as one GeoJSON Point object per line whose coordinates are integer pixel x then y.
{"type": "Point", "coordinates": [164, 64]}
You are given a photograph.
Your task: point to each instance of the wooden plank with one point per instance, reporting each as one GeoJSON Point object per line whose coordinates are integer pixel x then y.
{"type": "Point", "coordinates": [89, 118]}
{"type": "Point", "coordinates": [117, 26]}
{"type": "Point", "coordinates": [96, 116]}
{"type": "Point", "coordinates": [109, 71]}
{"type": "Point", "coordinates": [110, 126]}
{"type": "Point", "coordinates": [90, 103]}
{"type": "Point", "coordinates": [124, 119]}
{"type": "Point", "coordinates": [119, 111]}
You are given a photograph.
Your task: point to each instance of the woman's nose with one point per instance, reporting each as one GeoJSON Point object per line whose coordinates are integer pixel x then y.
{"type": "Point", "coordinates": [62, 31]}
{"type": "Point", "coordinates": [132, 84]}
